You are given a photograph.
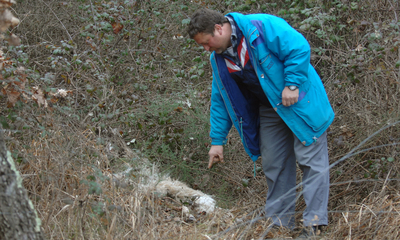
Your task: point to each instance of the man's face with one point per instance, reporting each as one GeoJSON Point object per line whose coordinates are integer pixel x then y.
{"type": "Point", "coordinates": [218, 43]}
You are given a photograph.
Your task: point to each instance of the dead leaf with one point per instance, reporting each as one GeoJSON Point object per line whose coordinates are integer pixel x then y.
{"type": "Point", "coordinates": [359, 48]}
{"type": "Point", "coordinates": [117, 27]}
{"type": "Point", "coordinates": [104, 221]}
{"type": "Point", "coordinates": [13, 97]}
{"type": "Point", "coordinates": [38, 96]}
{"type": "Point", "coordinates": [7, 3]}
{"type": "Point", "coordinates": [14, 40]}
{"type": "Point", "coordinates": [66, 79]}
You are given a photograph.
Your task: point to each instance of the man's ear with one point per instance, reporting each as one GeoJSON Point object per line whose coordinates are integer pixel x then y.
{"type": "Point", "coordinates": [218, 28]}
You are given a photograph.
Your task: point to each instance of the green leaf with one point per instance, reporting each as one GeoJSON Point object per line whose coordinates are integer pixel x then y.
{"type": "Point", "coordinates": [305, 26]}
{"type": "Point", "coordinates": [185, 21]}
{"type": "Point", "coordinates": [354, 5]}
{"type": "Point", "coordinates": [390, 159]}
{"type": "Point", "coordinates": [201, 73]}
{"type": "Point", "coordinates": [84, 182]}
{"type": "Point", "coordinates": [245, 182]}
{"type": "Point", "coordinates": [196, 59]}
{"type": "Point", "coordinates": [98, 208]}
{"type": "Point", "coordinates": [91, 178]}
{"type": "Point", "coordinates": [94, 188]}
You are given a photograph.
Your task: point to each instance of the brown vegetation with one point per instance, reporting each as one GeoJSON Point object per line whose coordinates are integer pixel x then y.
{"type": "Point", "coordinates": [107, 83]}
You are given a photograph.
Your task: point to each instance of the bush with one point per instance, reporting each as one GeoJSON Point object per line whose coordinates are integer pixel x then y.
{"type": "Point", "coordinates": [102, 78]}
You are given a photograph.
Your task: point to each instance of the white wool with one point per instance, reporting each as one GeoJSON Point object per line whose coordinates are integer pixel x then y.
{"type": "Point", "coordinates": [203, 202]}
{"type": "Point", "coordinates": [149, 178]}
{"type": "Point", "coordinates": [150, 181]}
{"type": "Point", "coordinates": [177, 189]}
{"type": "Point", "coordinates": [185, 210]}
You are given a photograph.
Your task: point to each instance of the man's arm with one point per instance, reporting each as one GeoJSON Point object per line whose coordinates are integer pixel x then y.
{"type": "Point", "coordinates": [220, 123]}
{"type": "Point", "coordinates": [219, 117]}
{"type": "Point", "coordinates": [290, 47]}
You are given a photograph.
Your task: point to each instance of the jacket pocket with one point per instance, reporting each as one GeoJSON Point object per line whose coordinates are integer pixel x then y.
{"type": "Point", "coordinates": [314, 109]}
{"type": "Point", "coordinates": [268, 62]}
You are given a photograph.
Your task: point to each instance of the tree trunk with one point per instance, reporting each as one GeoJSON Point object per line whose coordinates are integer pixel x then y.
{"type": "Point", "coordinates": [18, 217]}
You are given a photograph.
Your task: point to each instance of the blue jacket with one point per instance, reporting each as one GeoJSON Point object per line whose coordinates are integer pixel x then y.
{"type": "Point", "coordinates": [281, 57]}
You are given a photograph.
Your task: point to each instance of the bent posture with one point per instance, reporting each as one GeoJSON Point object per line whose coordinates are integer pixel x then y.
{"type": "Point", "coordinates": [264, 85]}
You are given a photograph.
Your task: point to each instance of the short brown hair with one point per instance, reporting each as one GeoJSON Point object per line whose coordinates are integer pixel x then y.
{"type": "Point", "coordinates": [203, 21]}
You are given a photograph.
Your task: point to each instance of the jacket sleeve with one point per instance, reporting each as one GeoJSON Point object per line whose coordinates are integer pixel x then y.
{"type": "Point", "coordinates": [219, 117]}
{"type": "Point", "coordinates": [290, 47]}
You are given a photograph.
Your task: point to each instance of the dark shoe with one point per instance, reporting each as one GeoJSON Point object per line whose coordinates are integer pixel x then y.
{"type": "Point", "coordinates": [310, 233]}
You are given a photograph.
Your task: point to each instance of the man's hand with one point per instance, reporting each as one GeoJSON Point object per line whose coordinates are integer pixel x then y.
{"type": "Point", "coordinates": [289, 97]}
{"type": "Point", "coordinates": [216, 155]}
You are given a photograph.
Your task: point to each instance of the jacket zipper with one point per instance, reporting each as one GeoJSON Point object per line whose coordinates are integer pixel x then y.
{"type": "Point", "coordinates": [241, 121]}
{"type": "Point", "coordinates": [244, 142]}
{"type": "Point", "coordinates": [248, 43]}
{"type": "Point", "coordinates": [254, 60]}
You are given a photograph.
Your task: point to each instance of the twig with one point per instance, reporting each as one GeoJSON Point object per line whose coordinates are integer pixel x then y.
{"type": "Point", "coordinates": [58, 19]}
{"type": "Point", "coordinates": [395, 14]}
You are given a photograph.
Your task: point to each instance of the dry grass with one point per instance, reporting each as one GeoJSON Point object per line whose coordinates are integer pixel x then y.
{"type": "Point", "coordinates": [58, 162]}
{"type": "Point", "coordinates": [64, 162]}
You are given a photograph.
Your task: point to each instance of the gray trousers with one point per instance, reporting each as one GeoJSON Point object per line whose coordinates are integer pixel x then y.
{"type": "Point", "coordinates": [279, 150]}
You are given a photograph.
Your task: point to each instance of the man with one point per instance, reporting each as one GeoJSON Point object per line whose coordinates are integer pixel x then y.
{"type": "Point", "coordinates": [264, 84]}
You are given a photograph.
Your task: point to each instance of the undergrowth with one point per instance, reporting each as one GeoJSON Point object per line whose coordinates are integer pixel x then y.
{"type": "Point", "coordinates": [137, 87]}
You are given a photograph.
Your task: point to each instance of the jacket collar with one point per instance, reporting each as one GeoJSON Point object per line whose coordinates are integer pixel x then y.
{"type": "Point", "coordinates": [250, 31]}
